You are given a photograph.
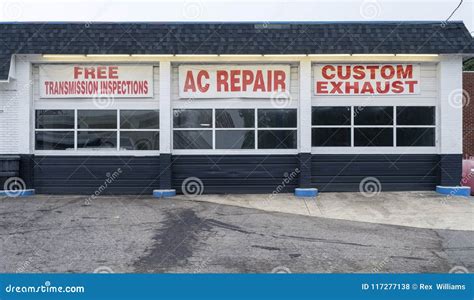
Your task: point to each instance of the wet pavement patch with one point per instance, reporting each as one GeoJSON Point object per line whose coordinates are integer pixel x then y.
{"type": "Point", "coordinates": [173, 243]}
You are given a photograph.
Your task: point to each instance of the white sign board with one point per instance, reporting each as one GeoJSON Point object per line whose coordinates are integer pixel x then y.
{"type": "Point", "coordinates": [234, 81]}
{"type": "Point", "coordinates": [366, 79]}
{"type": "Point", "coordinates": [83, 81]}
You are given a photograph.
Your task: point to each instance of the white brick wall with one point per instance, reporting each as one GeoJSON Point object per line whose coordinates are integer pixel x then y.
{"type": "Point", "coordinates": [15, 120]}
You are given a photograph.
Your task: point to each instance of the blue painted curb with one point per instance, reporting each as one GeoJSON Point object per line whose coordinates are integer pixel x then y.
{"type": "Point", "coordinates": [19, 193]}
{"type": "Point", "coordinates": [463, 191]}
{"type": "Point", "coordinates": [300, 192]}
{"type": "Point", "coordinates": [164, 193]}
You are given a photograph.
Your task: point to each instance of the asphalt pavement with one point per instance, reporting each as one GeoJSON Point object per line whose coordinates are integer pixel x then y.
{"type": "Point", "coordinates": [148, 235]}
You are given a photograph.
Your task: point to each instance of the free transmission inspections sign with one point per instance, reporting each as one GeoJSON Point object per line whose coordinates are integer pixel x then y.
{"type": "Point", "coordinates": [366, 79]}
{"type": "Point", "coordinates": [234, 81]}
{"type": "Point", "coordinates": [82, 81]}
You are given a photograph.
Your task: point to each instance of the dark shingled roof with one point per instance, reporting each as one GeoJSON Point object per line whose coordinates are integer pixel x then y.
{"type": "Point", "coordinates": [231, 38]}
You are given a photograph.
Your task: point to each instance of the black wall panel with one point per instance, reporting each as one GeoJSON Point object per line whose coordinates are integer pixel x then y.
{"type": "Point", "coordinates": [450, 169]}
{"type": "Point", "coordinates": [88, 174]}
{"type": "Point", "coordinates": [333, 173]}
{"type": "Point", "coordinates": [243, 174]}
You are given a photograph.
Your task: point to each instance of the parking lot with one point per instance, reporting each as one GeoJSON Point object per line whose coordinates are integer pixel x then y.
{"type": "Point", "coordinates": [129, 234]}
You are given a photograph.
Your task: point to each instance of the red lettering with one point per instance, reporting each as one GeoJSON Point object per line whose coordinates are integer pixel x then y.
{"type": "Point", "coordinates": [397, 87]}
{"type": "Point", "coordinates": [113, 72]}
{"type": "Point", "coordinates": [390, 74]}
{"type": "Point", "coordinates": [189, 84]}
{"type": "Point", "coordinates": [234, 80]}
{"type": "Point", "coordinates": [279, 82]}
{"type": "Point", "coordinates": [222, 84]}
{"type": "Point", "coordinates": [404, 73]}
{"type": "Point", "coordinates": [336, 87]}
{"type": "Point", "coordinates": [340, 72]}
{"type": "Point", "coordinates": [77, 72]}
{"type": "Point", "coordinates": [101, 72]}
{"type": "Point", "coordinates": [372, 70]}
{"type": "Point", "coordinates": [359, 72]}
{"type": "Point", "coordinates": [367, 88]}
{"type": "Point", "coordinates": [259, 82]}
{"type": "Point", "coordinates": [202, 88]}
{"type": "Point", "coordinates": [411, 85]}
{"type": "Point", "coordinates": [325, 73]}
{"type": "Point", "coordinates": [385, 89]}
{"type": "Point", "coordinates": [321, 87]}
{"type": "Point", "coordinates": [247, 79]}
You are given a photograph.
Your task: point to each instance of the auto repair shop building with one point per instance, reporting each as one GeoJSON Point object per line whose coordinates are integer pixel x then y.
{"type": "Point", "coordinates": [244, 108]}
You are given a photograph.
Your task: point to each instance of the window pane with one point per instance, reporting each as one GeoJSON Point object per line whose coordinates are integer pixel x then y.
{"type": "Point", "coordinates": [55, 119]}
{"type": "Point", "coordinates": [331, 115]}
{"type": "Point", "coordinates": [96, 139]}
{"type": "Point", "coordinates": [140, 140]}
{"type": "Point", "coordinates": [235, 139]}
{"type": "Point", "coordinates": [415, 115]}
{"type": "Point", "coordinates": [139, 119]}
{"type": "Point", "coordinates": [54, 140]}
{"type": "Point", "coordinates": [192, 139]}
{"type": "Point", "coordinates": [235, 118]}
{"type": "Point", "coordinates": [97, 119]}
{"type": "Point", "coordinates": [373, 136]}
{"type": "Point", "coordinates": [277, 118]}
{"type": "Point", "coordinates": [373, 115]}
{"type": "Point", "coordinates": [331, 137]}
{"type": "Point", "coordinates": [415, 137]}
{"type": "Point", "coordinates": [277, 139]}
{"type": "Point", "coordinates": [192, 118]}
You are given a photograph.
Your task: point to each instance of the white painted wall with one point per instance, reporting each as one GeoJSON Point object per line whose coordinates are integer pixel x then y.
{"type": "Point", "coordinates": [450, 103]}
{"type": "Point", "coordinates": [441, 82]}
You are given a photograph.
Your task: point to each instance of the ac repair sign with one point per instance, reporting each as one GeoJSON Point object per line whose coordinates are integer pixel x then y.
{"type": "Point", "coordinates": [366, 79]}
{"type": "Point", "coordinates": [82, 81]}
{"type": "Point", "coordinates": [232, 81]}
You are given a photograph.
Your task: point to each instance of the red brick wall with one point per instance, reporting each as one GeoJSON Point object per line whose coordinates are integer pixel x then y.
{"type": "Point", "coordinates": [468, 114]}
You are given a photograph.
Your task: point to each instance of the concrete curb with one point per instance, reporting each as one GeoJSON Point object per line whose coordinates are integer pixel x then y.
{"type": "Point", "coordinates": [164, 193]}
{"type": "Point", "coordinates": [311, 192]}
{"type": "Point", "coordinates": [461, 191]}
{"type": "Point", "coordinates": [17, 193]}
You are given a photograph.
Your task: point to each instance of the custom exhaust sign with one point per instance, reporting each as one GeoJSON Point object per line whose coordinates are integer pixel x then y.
{"type": "Point", "coordinates": [82, 81]}
{"type": "Point", "coordinates": [366, 79]}
{"type": "Point", "coordinates": [234, 81]}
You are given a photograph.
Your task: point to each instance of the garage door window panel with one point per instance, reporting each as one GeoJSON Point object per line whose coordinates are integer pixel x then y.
{"type": "Point", "coordinates": [54, 129]}
{"type": "Point", "coordinates": [139, 130]}
{"type": "Point", "coordinates": [416, 126]}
